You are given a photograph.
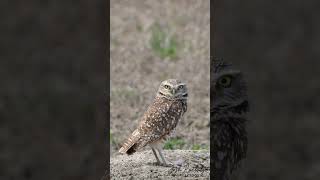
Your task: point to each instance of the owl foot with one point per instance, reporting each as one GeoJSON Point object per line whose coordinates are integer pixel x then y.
{"type": "Point", "coordinates": [162, 164]}
{"type": "Point", "coordinates": [166, 164]}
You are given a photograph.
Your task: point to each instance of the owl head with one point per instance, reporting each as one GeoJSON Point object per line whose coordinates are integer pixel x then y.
{"type": "Point", "coordinates": [228, 88]}
{"type": "Point", "coordinates": [173, 89]}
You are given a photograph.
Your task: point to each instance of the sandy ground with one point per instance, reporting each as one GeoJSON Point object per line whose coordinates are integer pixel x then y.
{"type": "Point", "coordinates": [136, 70]}
{"type": "Point", "coordinates": [185, 165]}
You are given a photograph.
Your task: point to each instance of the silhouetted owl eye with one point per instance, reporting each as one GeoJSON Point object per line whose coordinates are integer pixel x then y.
{"type": "Point", "coordinates": [180, 87]}
{"type": "Point", "coordinates": [225, 81]}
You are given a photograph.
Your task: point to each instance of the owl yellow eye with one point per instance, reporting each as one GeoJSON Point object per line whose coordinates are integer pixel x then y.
{"type": "Point", "coordinates": [180, 87]}
{"type": "Point", "coordinates": [225, 81]}
{"type": "Point", "coordinates": [166, 86]}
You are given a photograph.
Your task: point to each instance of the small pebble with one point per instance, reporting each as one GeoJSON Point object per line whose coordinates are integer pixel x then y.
{"type": "Point", "coordinates": [179, 162]}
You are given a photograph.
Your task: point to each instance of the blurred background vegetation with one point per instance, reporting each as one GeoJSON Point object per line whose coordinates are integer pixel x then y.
{"type": "Point", "coordinates": [276, 44]}
{"type": "Point", "coordinates": [152, 41]}
{"type": "Point", "coordinates": [53, 77]}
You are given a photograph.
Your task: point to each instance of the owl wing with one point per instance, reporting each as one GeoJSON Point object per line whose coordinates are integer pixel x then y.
{"type": "Point", "coordinates": [154, 124]}
{"type": "Point", "coordinates": [133, 138]}
{"type": "Point", "coordinates": [147, 130]}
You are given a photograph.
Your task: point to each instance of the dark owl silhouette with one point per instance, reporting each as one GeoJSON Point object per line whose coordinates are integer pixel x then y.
{"type": "Point", "coordinates": [229, 106]}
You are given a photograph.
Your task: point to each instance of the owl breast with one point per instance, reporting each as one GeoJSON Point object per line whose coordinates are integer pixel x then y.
{"type": "Point", "coordinates": [175, 113]}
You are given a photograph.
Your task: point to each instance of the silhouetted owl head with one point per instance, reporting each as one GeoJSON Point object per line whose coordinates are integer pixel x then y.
{"type": "Point", "coordinates": [228, 88]}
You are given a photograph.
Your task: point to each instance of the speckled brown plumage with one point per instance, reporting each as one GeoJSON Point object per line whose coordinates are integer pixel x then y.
{"type": "Point", "coordinates": [160, 119]}
{"type": "Point", "coordinates": [228, 119]}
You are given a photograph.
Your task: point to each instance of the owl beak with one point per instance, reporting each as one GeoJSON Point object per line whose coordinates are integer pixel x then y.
{"type": "Point", "coordinates": [173, 91]}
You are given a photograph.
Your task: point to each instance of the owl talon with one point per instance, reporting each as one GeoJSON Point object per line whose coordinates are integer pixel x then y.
{"type": "Point", "coordinates": [157, 163]}
{"type": "Point", "coordinates": [163, 164]}
{"type": "Point", "coordinates": [167, 164]}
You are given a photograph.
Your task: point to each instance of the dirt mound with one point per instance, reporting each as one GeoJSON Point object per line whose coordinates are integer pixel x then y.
{"type": "Point", "coordinates": [185, 164]}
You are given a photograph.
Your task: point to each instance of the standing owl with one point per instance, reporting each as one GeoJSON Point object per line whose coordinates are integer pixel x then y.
{"type": "Point", "coordinates": [160, 119]}
{"type": "Point", "coordinates": [228, 119]}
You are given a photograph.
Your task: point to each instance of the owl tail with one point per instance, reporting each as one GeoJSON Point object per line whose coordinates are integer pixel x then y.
{"type": "Point", "coordinates": [127, 147]}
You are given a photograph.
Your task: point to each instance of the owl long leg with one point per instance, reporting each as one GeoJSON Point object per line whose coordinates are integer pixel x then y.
{"type": "Point", "coordinates": [162, 157]}
{"type": "Point", "coordinates": [155, 154]}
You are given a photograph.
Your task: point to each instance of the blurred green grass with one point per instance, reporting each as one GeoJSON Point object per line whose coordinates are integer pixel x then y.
{"type": "Point", "coordinates": [196, 147]}
{"type": "Point", "coordinates": [179, 143]}
{"type": "Point", "coordinates": [174, 143]}
{"type": "Point", "coordinates": [162, 43]}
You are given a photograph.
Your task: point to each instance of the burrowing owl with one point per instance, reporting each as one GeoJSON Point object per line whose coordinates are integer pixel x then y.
{"type": "Point", "coordinates": [228, 113]}
{"type": "Point", "coordinates": [160, 119]}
